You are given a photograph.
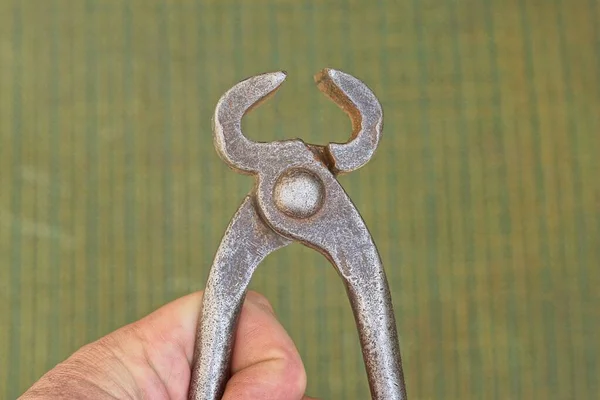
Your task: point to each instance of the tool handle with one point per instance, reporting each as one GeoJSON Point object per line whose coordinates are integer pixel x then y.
{"type": "Point", "coordinates": [358, 262]}
{"type": "Point", "coordinates": [373, 312]}
{"type": "Point", "coordinates": [247, 241]}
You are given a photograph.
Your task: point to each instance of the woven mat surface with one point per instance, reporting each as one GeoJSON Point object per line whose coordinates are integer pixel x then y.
{"type": "Point", "coordinates": [483, 198]}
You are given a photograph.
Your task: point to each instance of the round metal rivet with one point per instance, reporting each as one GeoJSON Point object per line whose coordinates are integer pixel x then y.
{"type": "Point", "coordinates": [298, 193]}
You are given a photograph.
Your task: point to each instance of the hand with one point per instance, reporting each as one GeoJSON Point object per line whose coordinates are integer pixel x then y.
{"type": "Point", "coordinates": [151, 358]}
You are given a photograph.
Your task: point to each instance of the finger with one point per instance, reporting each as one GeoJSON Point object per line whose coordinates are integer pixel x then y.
{"type": "Point", "coordinates": [158, 349]}
{"type": "Point", "coordinates": [173, 325]}
{"type": "Point", "coordinates": [265, 362]}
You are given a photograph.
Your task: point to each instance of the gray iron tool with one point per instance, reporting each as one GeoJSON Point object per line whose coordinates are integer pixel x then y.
{"type": "Point", "coordinates": [296, 197]}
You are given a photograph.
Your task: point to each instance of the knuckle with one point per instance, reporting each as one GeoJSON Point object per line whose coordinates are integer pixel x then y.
{"type": "Point", "coordinates": [260, 301]}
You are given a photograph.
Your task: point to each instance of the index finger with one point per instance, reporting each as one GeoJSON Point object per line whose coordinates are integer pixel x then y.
{"type": "Point", "coordinates": [265, 362]}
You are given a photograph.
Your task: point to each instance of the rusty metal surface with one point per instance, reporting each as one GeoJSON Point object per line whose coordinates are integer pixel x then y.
{"type": "Point", "coordinates": [297, 197]}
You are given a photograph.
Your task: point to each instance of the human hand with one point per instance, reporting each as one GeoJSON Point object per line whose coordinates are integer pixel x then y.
{"type": "Point", "coordinates": [151, 359]}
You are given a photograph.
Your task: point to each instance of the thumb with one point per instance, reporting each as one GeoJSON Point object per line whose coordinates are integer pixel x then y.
{"type": "Point", "coordinates": [265, 363]}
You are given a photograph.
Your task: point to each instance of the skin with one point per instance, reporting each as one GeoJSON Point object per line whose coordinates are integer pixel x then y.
{"type": "Point", "coordinates": [151, 358]}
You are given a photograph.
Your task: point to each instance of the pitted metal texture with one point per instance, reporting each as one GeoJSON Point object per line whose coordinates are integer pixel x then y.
{"type": "Point", "coordinates": [297, 197]}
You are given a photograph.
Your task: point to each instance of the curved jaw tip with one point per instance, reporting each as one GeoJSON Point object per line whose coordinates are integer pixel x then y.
{"type": "Point", "coordinates": [277, 78]}
{"type": "Point", "coordinates": [327, 71]}
{"type": "Point", "coordinates": [274, 79]}
{"type": "Point", "coordinates": [280, 75]}
{"type": "Point", "coordinates": [359, 102]}
{"type": "Point", "coordinates": [341, 89]}
{"type": "Point", "coordinates": [334, 76]}
{"type": "Point", "coordinates": [324, 75]}
{"type": "Point", "coordinates": [259, 88]}
{"type": "Point", "coordinates": [338, 86]}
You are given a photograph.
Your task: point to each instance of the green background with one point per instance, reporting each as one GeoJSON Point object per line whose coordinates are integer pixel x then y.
{"type": "Point", "coordinates": [483, 198]}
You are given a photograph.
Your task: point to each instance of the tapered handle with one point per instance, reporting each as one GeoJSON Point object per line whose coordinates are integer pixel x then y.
{"type": "Point", "coordinates": [247, 241]}
{"type": "Point", "coordinates": [369, 294]}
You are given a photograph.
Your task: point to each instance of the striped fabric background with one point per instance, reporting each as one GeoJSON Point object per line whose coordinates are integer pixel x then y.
{"type": "Point", "coordinates": [484, 196]}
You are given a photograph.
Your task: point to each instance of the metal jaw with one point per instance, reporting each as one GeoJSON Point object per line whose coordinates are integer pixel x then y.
{"type": "Point", "coordinates": [297, 198]}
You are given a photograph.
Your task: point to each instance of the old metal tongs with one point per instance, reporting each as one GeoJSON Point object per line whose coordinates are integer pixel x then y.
{"type": "Point", "coordinates": [297, 197]}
